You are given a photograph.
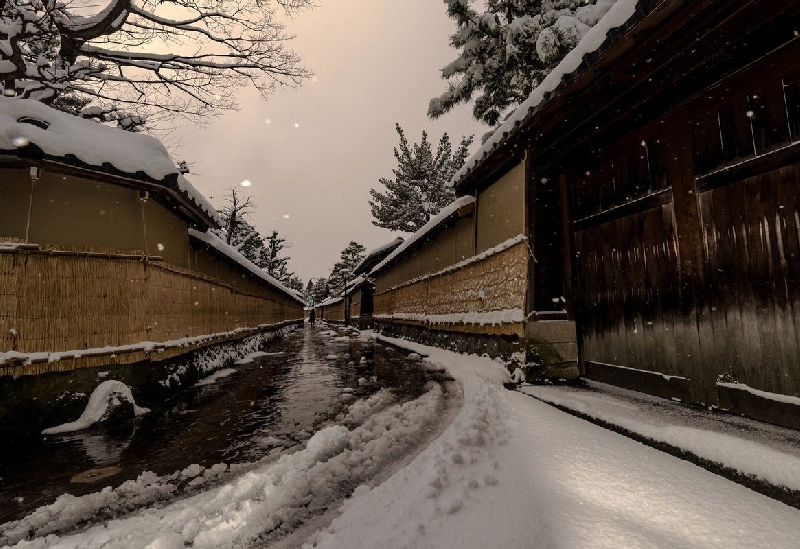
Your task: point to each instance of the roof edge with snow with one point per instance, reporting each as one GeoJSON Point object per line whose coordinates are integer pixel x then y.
{"type": "Point", "coordinates": [623, 15]}
{"type": "Point", "coordinates": [446, 214]}
{"type": "Point", "coordinates": [377, 255]}
{"type": "Point", "coordinates": [31, 131]}
{"type": "Point", "coordinates": [223, 248]}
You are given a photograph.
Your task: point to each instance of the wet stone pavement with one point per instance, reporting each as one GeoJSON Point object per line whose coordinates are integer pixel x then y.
{"type": "Point", "coordinates": [263, 409]}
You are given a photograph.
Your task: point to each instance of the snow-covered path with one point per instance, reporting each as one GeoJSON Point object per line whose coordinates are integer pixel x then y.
{"type": "Point", "coordinates": [514, 472]}
{"type": "Point", "coordinates": [509, 471]}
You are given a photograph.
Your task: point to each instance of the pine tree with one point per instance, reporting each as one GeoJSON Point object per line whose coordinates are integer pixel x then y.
{"type": "Point", "coordinates": [320, 291]}
{"type": "Point", "coordinates": [508, 49]}
{"type": "Point", "coordinates": [349, 259]}
{"type": "Point", "coordinates": [294, 282]}
{"type": "Point", "coordinates": [419, 189]}
{"type": "Point", "coordinates": [274, 264]}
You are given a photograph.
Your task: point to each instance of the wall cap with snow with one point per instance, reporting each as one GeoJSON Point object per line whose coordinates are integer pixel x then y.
{"type": "Point", "coordinates": [622, 16]}
{"type": "Point", "coordinates": [223, 248]}
{"type": "Point", "coordinates": [435, 223]}
{"type": "Point", "coordinates": [32, 131]}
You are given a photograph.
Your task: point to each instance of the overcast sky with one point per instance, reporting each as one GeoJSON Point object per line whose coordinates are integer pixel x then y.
{"type": "Point", "coordinates": [375, 62]}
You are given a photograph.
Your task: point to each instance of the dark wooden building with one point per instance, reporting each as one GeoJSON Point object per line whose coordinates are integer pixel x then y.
{"type": "Point", "coordinates": [662, 168]}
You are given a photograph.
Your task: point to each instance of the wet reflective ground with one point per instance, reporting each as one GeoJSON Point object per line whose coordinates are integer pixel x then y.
{"type": "Point", "coordinates": [266, 407]}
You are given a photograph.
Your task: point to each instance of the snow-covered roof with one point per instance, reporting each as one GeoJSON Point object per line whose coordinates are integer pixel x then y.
{"type": "Point", "coordinates": [435, 221]}
{"type": "Point", "coordinates": [232, 253]}
{"type": "Point", "coordinates": [355, 283]}
{"type": "Point", "coordinates": [376, 256]}
{"type": "Point", "coordinates": [330, 301]}
{"type": "Point", "coordinates": [619, 15]}
{"type": "Point", "coordinates": [60, 135]}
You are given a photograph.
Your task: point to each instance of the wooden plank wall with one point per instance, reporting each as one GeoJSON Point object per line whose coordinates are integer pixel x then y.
{"type": "Point", "coordinates": [687, 237]}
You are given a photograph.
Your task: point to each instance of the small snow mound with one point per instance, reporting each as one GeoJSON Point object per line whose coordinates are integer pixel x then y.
{"type": "Point", "coordinates": [225, 372]}
{"type": "Point", "coordinates": [107, 394]}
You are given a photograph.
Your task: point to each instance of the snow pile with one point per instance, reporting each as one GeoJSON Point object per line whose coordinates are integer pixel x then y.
{"type": "Point", "coordinates": [435, 221]}
{"type": "Point", "coordinates": [108, 393]}
{"type": "Point", "coordinates": [230, 252]}
{"type": "Point", "coordinates": [364, 409]}
{"type": "Point", "coordinates": [618, 15]}
{"type": "Point", "coordinates": [272, 498]}
{"type": "Point", "coordinates": [92, 143]}
{"type": "Point", "coordinates": [213, 378]}
{"type": "Point", "coordinates": [69, 511]}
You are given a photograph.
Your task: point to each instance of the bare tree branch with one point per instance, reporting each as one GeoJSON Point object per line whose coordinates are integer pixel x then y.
{"type": "Point", "coordinates": [175, 57]}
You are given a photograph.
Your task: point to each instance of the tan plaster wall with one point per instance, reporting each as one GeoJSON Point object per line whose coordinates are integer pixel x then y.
{"type": "Point", "coordinates": [75, 212]}
{"type": "Point", "coordinates": [167, 234]}
{"type": "Point", "coordinates": [465, 238]}
{"type": "Point", "coordinates": [501, 209]}
{"type": "Point", "coordinates": [445, 247]}
{"type": "Point", "coordinates": [15, 188]}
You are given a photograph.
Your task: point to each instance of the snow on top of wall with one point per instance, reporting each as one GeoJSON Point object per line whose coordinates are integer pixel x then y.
{"type": "Point", "coordinates": [196, 197]}
{"type": "Point", "coordinates": [232, 253]}
{"type": "Point", "coordinates": [481, 318]}
{"type": "Point", "coordinates": [503, 246]}
{"type": "Point", "coordinates": [90, 142]}
{"type": "Point", "coordinates": [142, 346]}
{"type": "Point", "coordinates": [775, 397]}
{"type": "Point", "coordinates": [439, 218]}
{"type": "Point", "coordinates": [379, 250]}
{"type": "Point", "coordinates": [617, 16]}
{"type": "Point", "coordinates": [350, 286]}
{"type": "Point", "coordinates": [330, 301]}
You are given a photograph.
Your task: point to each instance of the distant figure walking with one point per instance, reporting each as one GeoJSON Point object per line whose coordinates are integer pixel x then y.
{"type": "Point", "coordinates": [312, 316]}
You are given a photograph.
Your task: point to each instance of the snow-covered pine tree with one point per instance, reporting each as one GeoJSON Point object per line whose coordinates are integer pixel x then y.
{"type": "Point", "coordinates": [419, 188]}
{"type": "Point", "coordinates": [294, 282]}
{"type": "Point", "coordinates": [349, 259]}
{"type": "Point", "coordinates": [506, 48]}
{"type": "Point", "coordinates": [319, 290]}
{"type": "Point", "coordinates": [275, 265]}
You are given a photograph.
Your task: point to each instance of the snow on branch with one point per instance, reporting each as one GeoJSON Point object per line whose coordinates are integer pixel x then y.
{"type": "Point", "coordinates": [183, 57]}
{"type": "Point", "coordinates": [617, 16]}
